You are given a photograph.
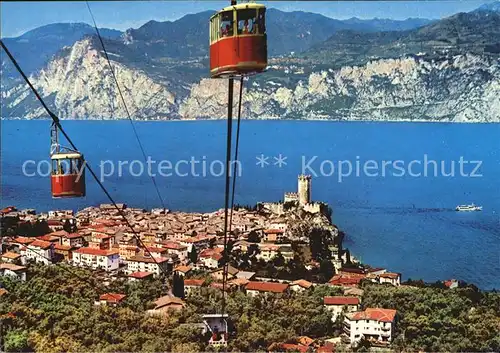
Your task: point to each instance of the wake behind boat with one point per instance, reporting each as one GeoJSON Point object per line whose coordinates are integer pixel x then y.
{"type": "Point", "coordinates": [471, 207]}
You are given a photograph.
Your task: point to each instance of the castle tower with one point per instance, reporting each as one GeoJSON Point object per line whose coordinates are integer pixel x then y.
{"type": "Point", "coordinates": [304, 189]}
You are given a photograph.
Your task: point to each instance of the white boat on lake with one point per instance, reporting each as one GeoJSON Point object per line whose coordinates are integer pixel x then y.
{"type": "Point", "coordinates": [471, 207]}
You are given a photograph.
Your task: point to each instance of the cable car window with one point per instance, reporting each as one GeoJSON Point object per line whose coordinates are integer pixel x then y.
{"type": "Point", "coordinates": [261, 21]}
{"type": "Point", "coordinates": [226, 24]}
{"type": "Point", "coordinates": [211, 30]}
{"type": "Point", "coordinates": [54, 166]}
{"type": "Point", "coordinates": [246, 21]}
{"type": "Point", "coordinates": [65, 166]}
{"type": "Point", "coordinates": [79, 165]}
{"type": "Point", "coordinates": [216, 28]}
{"type": "Point", "coordinates": [74, 166]}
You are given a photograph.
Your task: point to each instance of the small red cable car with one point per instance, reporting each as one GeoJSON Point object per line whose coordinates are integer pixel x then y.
{"type": "Point", "coordinates": [238, 41]}
{"type": "Point", "coordinates": [68, 175]}
{"type": "Point", "coordinates": [68, 170]}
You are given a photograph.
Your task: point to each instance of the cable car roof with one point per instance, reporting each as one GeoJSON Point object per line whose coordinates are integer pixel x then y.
{"type": "Point", "coordinates": [242, 6]}
{"type": "Point", "coordinates": [72, 155]}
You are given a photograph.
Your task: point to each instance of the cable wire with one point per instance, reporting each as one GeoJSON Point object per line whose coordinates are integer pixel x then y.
{"type": "Point", "coordinates": [236, 148]}
{"type": "Point", "coordinates": [226, 193]}
{"type": "Point", "coordinates": [58, 124]}
{"type": "Point", "coordinates": [124, 103]}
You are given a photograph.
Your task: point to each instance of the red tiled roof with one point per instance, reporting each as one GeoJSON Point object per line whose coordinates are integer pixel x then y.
{"type": "Point", "coordinates": [327, 348]}
{"type": "Point", "coordinates": [11, 255]}
{"type": "Point", "coordinates": [140, 274]}
{"type": "Point", "coordinates": [24, 240]}
{"type": "Point", "coordinates": [352, 271]}
{"type": "Point", "coordinates": [48, 238]}
{"type": "Point", "coordinates": [8, 209]}
{"type": "Point", "coordinates": [59, 233]}
{"type": "Point", "coordinates": [112, 297]}
{"type": "Point", "coordinates": [62, 247]}
{"type": "Point", "coordinates": [183, 269]}
{"type": "Point", "coordinates": [128, 247]}
{"type": "Point", "coordinates": [294, 347]}
{"type": "Point", "coordinates": [173, 245]}
{"type": "Point", "coordinates": [390, 275]}
{"type": "Point", "coordinates": [73, 236]}
{"type": "Point", "coordinates": [194, 282]}
{"type": "Point", "coordinates": [41, 244]}
{"type": "Point", "coordinates": [341, 280]}
{"type": "Point", "coordinates": [267, 286]}
{"type": "Point", "coordinates": [450, 282]}
{"type": "Point", "coordinates": [219, 286]}
{"type": "Point", "coordinates": [274, 231]}
{"type": "Point", "coordinates": [96, 252]}
{"type": "Point", "coordinates": [169, 301]}
{"type": "Point", "coordinates": [53, 222]}
{"type": "Point", "coordinates": [152, 260]}
{"type": "Point", "coordinates": [339, 300]}
{"type": "Point", "coordinates": [101, 236]}
{"type": "Point", "coordinates": [216, 256]}
{"type": "Point", "coordinates": [12, 267]}
{"type": "Point", "coordinates": [375, 269]}
{"type": "Point", "coordinates": [379, 314]}
{"type": "Point", "coordinates": [239, 281]}
{"type": "Point", "coordinates": [157, 250]}
{"type": "Point", "coordinates": [305, 340]}
{"type": "Point", "coordinates": [302, 283]}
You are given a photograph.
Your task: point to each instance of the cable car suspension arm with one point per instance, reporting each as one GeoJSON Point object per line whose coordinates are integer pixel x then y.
{"type": "Point", "coordinates": [85, 164]}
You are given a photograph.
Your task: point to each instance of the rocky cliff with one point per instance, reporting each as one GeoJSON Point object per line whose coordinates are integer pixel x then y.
{"type": "Point", "coordinates": [462, 88]}
{"type": "Point", "coordinates": [77, 84]}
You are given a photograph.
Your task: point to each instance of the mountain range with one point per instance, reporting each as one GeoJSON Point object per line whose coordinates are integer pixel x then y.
{"type": "Point", "coordinates": [417, 69]}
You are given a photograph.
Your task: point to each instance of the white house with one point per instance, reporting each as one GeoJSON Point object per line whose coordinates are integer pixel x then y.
{"type": "Point", "coordinates": [255, 288]}
{"type": "Point", "coordinates": [390, 277]}
{"type": "Point", "coordinates": [40, 251]}
{"type": "Point", "coordinates": [13, 270]}
{"type": "Point", "coordinates": [373, 324]}
{"type": "Point", "coordinates": [210, 259]}
{"type": "Point", "coordinates": [96, 258]}
{"type": "Point", "coordinates": [300, 285]}
{"type": "Point", "coordinates": [155, 265]}
{"type": "Point", "coordinates": [175, 248]}
{"type": "Point", "coordinates": [191, 285]}
{"type": "Point", "coordinates": [267, 251]}
{"type": "Point", "coordinates": [338, 304]}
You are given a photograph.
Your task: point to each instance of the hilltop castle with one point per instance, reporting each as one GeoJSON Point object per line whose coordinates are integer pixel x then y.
{"type": "Point", "coordinates": [303, 194]}
{"type": "Point", "coordinates": [301, 198]}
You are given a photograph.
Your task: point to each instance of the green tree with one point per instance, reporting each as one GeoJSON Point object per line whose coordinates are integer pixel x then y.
{"type": "Point", "coordinates": [326, 271]}
{"type": "Point", "coordinates": [178, 285]}
{"type": "Point", "coordinates": [279, 260]}
{"type": "Point", "coordinates": [319, 241]}
{"type": "Point", "coordinates": [69, 227]}
{"type": "Point", "coordinates": [253, 237]}
{"type": "Point", "coordinates": [193, 255]}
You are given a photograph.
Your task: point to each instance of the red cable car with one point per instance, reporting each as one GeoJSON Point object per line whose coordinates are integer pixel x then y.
{"type": "Point", "coordinates": [68, 170]}
{"type": "Point", "coordinates": [238, 41]}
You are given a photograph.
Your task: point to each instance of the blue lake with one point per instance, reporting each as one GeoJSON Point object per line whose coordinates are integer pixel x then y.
{"type": "Point", "coordinates": [406, 223]}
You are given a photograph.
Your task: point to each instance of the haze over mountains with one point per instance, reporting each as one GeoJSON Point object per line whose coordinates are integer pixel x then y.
{"type": "Point", "coordinates": [311, 75]}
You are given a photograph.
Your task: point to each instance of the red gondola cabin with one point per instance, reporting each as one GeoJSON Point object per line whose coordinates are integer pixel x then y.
{"type": "Point", "coordinates": [66, 179]}
{"type": "Point", "coordinates": [238, 41]}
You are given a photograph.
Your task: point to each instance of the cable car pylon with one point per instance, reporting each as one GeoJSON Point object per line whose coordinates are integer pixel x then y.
{"type": "Point", "coordinates": [238, 48]}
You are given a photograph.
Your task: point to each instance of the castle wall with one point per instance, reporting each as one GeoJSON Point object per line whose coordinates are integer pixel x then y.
{"type": "Point", "coordinates": [312, 207]}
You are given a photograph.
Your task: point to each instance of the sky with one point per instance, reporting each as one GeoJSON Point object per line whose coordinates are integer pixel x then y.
{"type": "Point", "coordinates": [20, 17]}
